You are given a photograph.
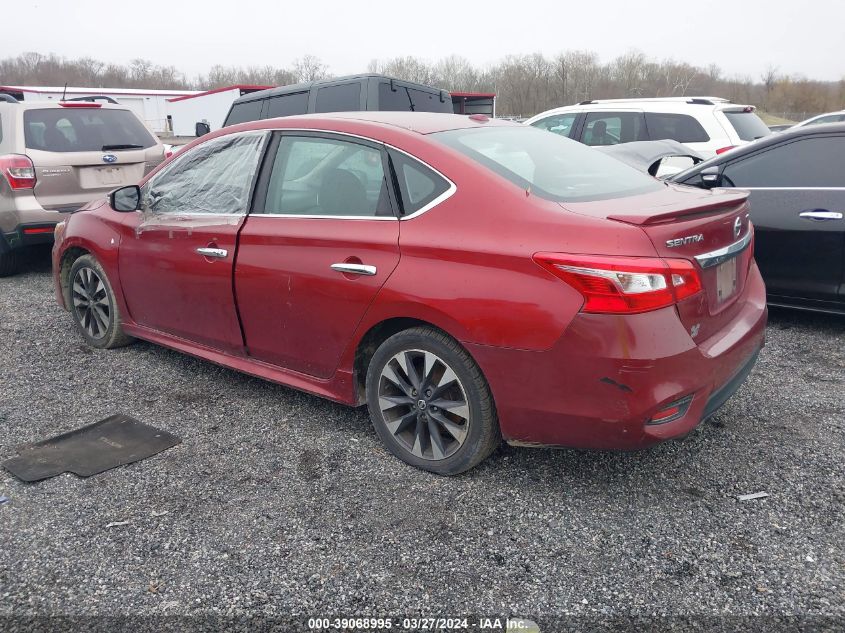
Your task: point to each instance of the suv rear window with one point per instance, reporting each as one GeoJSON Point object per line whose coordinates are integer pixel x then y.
{"type": "Point", "coordinates": [84, 130]}
{"type": "Point", "coordinates": [549, 165]}
{"type": "Point", "coordinates": [747, 125]}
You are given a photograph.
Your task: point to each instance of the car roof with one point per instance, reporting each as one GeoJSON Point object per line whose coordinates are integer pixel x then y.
{"type": "Point", "coordinates": [302, 87]}
{"type": "Point", "coordinates": [419, 122]}
{"type": "Point", "coordinates": [655, 104]}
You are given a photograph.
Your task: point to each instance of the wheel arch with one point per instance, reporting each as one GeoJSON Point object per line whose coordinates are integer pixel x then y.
{"type": "Point", "coordinates": [66, 261]}
{"type": "Point", "coordinates": [378, 334]}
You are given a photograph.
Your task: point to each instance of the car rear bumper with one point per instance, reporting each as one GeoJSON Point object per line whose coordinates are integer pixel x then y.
{"type": "Point", "coordinates": [609, 375]}
{"type": "Point", "coordinates": [27, 235]}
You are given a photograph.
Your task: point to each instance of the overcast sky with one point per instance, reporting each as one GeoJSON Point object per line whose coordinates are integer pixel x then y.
{"type": "Point", "coordinates": [743, 37]}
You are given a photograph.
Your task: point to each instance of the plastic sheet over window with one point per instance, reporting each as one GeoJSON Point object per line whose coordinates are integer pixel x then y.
{"type": "Point", "coordinates": [214, 177]}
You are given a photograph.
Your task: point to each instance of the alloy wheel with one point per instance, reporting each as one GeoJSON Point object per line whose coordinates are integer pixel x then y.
{"type": "Point", "coordinates": [91, 302]}
{"type": "Point", "coordinates": [423, 404]}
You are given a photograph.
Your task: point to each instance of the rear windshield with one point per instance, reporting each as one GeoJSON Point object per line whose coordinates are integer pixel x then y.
{"type": "Point", "coordinates": [84, 130]}
{"type": "Point", "coordinates": [748, 125]}
{"type": "Point", "coordinates": [549, 165]}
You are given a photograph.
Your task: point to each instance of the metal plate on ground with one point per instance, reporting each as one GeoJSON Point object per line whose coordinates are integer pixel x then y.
{"type": "Point", "coordinates": [92, 449]}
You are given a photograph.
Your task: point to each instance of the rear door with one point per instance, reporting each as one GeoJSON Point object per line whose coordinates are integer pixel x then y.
{"type": "Point", "coordinates": [177, 255]}
{"type": "Point", "coordinates": [798, 205]}
{"type": "Point", "coordinates": [81, 151]}
{"type": "Point", "coordinates": [319, 244]}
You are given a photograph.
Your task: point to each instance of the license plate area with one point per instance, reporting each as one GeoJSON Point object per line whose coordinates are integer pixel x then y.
{"type": "Point", "coordinates": [726, 281]}
{"type": "Point", "coordinates": [110, 175]}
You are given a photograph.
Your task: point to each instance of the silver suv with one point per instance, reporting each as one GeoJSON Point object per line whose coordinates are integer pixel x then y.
{"type": "Point", "coordinates": [56, 157]}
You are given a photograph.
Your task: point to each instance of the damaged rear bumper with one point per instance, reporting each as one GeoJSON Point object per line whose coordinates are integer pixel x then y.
{"type": "Point", "coordinates": [604, 384]}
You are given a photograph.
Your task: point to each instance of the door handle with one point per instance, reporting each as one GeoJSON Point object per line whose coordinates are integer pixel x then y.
{"type": "Point", "coordinates": [217, 253]}
{"type": "Point", "coordinates": [354, 269]}
{"type": "Point", "coordinates": [821, 214]}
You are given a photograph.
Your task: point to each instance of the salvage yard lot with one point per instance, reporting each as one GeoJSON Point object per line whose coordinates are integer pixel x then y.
{"type": "Point", "coordinates": [278, 502]}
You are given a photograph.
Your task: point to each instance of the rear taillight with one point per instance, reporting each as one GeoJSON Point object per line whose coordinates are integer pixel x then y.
{"type": "Point", "coordinates": [722, 150]}
{"type": "Point", "coordinates": [624, 285]}
{"type": "Point", "coordinates": [18, 171]}
{"type": "Point", "coordinates": [79, 104]}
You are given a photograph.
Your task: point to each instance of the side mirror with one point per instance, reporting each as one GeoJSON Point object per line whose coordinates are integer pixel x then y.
{"type": "Point", "coordinates": [126, 199]}
{"type": "Point", "coordinates": [201, 128]}
{"type": "Point", "coordinates": [711, 177]}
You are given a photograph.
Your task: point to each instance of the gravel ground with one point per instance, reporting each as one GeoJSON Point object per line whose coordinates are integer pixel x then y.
{"type": "Point", "coordinates": [280, 503]}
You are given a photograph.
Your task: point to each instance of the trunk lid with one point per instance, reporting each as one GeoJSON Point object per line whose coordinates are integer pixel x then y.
{"type": "Point", "coordinates": [711, 229]}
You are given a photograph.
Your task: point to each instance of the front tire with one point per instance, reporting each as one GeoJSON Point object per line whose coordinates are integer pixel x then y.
{"type": "Point", "coordinates": [92, 303]}
{"type": "Point", "coordinates": [429, 402]}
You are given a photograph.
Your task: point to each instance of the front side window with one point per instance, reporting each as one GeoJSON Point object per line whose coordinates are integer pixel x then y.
{"type": "Point", "coordinates": [84, 130]}
{"type": "Point", "coordinates": [341, 98]}
{"type": "Point", "coordinates": [810, 162]}
{"type": "Point", "coordinates": [831, 118]}
{"type": "Point", "coordinates": [558, 123]}
{"type": "Point", "coordinates": [214, 177]}
{"type": "Point", "coordinates": [677, 127]}
{"type": "Point", "coordinates": [316, 176]}
{"type": "Point", "coordinates": [548, 165]}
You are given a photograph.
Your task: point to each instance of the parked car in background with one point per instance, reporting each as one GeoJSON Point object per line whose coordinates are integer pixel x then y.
{"type": "Point", "coordinates": [55, 157]}
{"type": "Point", "coordinates": [341, 94]}
{"type": "Point", "coordinates": [707, 125]}
{"type": "Point", "coordinates": [797, 184]}
{"type": "Point", "coordinates": [538, 290]}
{"type": "Point", "coordinates": [830, 117]}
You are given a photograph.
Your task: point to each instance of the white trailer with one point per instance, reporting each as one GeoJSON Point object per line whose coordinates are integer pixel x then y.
{"type": "Point", "coordinates": [210, 107]}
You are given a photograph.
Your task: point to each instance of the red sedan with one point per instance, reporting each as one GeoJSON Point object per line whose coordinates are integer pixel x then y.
{"type": "Point", "coordinates": [468, 279]}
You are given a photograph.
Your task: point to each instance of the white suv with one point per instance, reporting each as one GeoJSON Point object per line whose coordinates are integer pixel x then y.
{"type": "Point", "coordinates": [708, 125]}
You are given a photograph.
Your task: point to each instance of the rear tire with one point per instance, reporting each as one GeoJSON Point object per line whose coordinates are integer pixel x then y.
{"type": "Point", "coordinates": [93, 305]}
{"type": "Point", "coordinates": [429, 402]}
{"type": "Point", "coordinates": [10, 262]}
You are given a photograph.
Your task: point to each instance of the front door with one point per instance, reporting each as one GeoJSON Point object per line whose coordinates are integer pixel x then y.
{"type": "Point", "coordinates": [798, 209]}
{"type": "Point", "coordinates": [177, 256]}
{"type": "Point", "coordinates": [319, 244]}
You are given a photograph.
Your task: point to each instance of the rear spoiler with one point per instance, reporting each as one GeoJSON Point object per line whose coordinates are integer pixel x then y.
{"type": "Point", "coordinates": [708, 204]}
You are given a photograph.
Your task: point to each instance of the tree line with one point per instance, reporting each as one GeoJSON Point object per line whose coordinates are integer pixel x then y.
{"type": "Point", "coordinates": [524, 84]}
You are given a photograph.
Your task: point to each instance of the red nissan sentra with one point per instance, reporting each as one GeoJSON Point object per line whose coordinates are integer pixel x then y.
{"type": "Point", "coordinates": [468, 279]}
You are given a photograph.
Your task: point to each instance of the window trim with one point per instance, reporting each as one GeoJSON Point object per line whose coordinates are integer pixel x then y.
{"type": "Point", "coordinates": [267, 168]}
{"type": "Point", "coordinates": [252, 185]}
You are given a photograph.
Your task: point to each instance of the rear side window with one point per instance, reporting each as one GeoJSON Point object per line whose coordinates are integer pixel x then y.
{"type": "Point", "coordinates": [677, 127]}
{"type": "Point", "coordinates": [341, 98]}
{"type": "Point", "coordinates": [612, 128]}
{"type": "Point", "coordinates": [833, 118]}
{"type": "Point", "coordinates": [748, 125]}
{"type": "Point", "coordinates": [811, 162]}
{"type": "Point", "coordinates": [287, 105]}
{"type": "Point", "coordinates": [558, 123]}
{"type": "Point", "coordinates": [419, 185]}
{"type": "Point", "coordinates": [84, 130]}
{"type": "Point", "coordinates": [245, 111]}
